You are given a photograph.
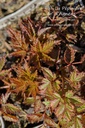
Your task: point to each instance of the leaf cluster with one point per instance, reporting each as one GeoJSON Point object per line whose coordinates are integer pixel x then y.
{"type": "Point", "coordinates": [44, 82]}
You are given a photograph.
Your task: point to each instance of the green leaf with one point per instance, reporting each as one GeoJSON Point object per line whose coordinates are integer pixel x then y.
{"type": "Point", "coordinates": [78, 123]}
{"type": "Point", "coordinates": [10, 108]}
{"type": "Point", "coordinates": [47, 73]}
{"type": "Point", "coordinates": [70, 107]}
{"type": "Point", "coordinates": [46, 103]}
{"type": "Point", "coordinates": [69, 94]}
{"type": "Point", "coordinates": [57, 95]}
{"type": "Point", "coordinates": [68, 115]}
{"type": "Point", "coordinates": [5, 97]}
{"type": "Point", "coordinates": [29, 100]}
{"type": "Point", "coordinates": [76, 99]}
{"type": "Point", "coordinates": [81, 108]}
{"type": "Point", "coordinates": [45, 83]}
{"type": "Point", "coordinates": [50, 122]}
{"type": "Point", "coordinates": [54, 103]}
{"type": "Point", "coordinates": [74, 77]}
{"type": "Point", "coordinates": [56, 85]}
{"type": "Point", "coordinates": [47, 47]}
{"type": "Point", "coordinates": [60, 110]}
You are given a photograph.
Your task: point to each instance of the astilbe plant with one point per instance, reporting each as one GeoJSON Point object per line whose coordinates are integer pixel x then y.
{"type": "Point", "coordinates": [43, 81]}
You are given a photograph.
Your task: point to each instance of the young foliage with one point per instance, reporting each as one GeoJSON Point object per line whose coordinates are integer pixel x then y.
{"type": "Point", "coordinates": [43, 83]}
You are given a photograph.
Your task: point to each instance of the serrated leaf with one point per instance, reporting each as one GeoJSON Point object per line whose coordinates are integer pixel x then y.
{"type": "Point", "coordinates": [20, 85]}
{"type": "Point", "coordinates": [47, 73]}
{"type": "Point", "coordinates": [33, 88]}
{"type": "Point", "coordinates": [15, 36]}
{"type": "Point", "coordinates": [29, 21]}
{"type": "Point", "coordinates": [46, 103]}
{"type": "Point", "coordinates": [2, 62]}
{"type": "Point", "coordinates": [10, 108]}
{"type": "Point", "coordinates": [76, 99]}
{"type": "Point", "coordinates": [74, 77]}
{"type": "Point", "coordinates": [47, 47]}
{"type": "Point", "coordinates": [79, 124]}
{"type": "Point", "coordinates": [57, 96]}
{"type": "Point", "coordinates": [18, 53]}
{"type": "Point", "coordinates": [33, 118]}
{"type": "Point", "coordinates": [50, 122]}
{"type": "Point", "coordinates": [28, 30]}
{"type": "Point", "coordinates": [38, 106]}
{"type": "Point", "coordinates": [57, 82]}
{"type": "Point", "coordinates": [26, 73]}
{"type": "Point", "coordinates": [36, 47]}
{"type": "Point", "coordinates": [29, 100]}
{"type": "Point", "coordinates": [39, 47]}
{"type": "Point", "coordinates": [57, 85]}
{"type": "Point", "coordinates": [68, 115]}
{"type": "Point", "coordinates": [10, 118]}
{"type": "Point", "coordinates": [5, 98]}
{"type": "Point", "coordinates": [70, 107]}
{"type": "Point", "coordinates": [59, 111]}
{"type": "Point", "coordinates": [54, 103]}
{"type": "Point", "coordinates": [69, 55]}
{"type": "Point", "coordinates": [45, 83]}
{"type": "Point", "coordinates": [69, 94]}
{"type": "Point", "coordinates": [81, 108]}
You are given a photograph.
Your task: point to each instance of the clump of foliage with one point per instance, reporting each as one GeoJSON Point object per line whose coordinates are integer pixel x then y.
{"type": "Point", "coordinates": [42, 79]}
